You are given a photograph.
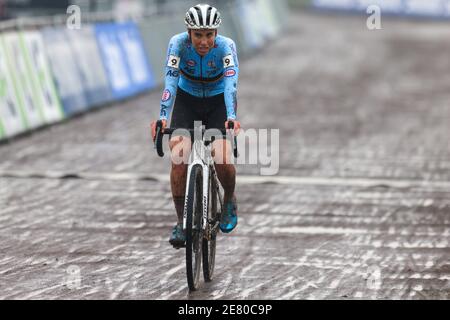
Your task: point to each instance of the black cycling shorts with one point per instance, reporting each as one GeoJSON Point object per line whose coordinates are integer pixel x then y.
{"type": "Point", "coordinates": [211, 111]}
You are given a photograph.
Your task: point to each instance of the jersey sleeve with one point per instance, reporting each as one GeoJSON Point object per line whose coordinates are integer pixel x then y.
{"type": "Point", "coordinates": [231, 74]}
{"type": "Point", "coordinates": [172, 75]}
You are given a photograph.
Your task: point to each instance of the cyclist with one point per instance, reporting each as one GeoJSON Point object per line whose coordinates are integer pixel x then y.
{"type": "Point", "coordinates": [201, 84]}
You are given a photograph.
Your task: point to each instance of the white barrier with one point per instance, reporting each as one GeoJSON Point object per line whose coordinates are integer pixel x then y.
{"type": "Point", "coordinates": [64, 66]}
{"type": "Point", "coordinates": [420, 8]}
{"type": "Point", "coordinates": [124, 59]}
{"type": "Point", "coordinates": [84, 47]}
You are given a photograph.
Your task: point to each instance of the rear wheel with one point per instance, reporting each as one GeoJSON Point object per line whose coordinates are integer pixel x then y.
{"type": "Point", "coordinates": [209, 246]}
{"type": "Point", "coordinates": [194, 231]}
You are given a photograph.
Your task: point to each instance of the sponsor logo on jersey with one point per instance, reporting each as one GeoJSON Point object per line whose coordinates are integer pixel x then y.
{"type": "Point", "coordinates": [166, 95]}
{"type": "Point", "coordinates": [173, 73]}
{"type": "Point", "coordinates": [191, 63]}
{"type": "Point", "coordinates": [163, 113]}
{"type": "Point", "coordinates": [233, 49]}
{"type": "Point", "coordinates": [230, 73]}
{"type": "Point", "coordinates": [211, 64]}
{"type": "Point", "coordinates": [189, 70]}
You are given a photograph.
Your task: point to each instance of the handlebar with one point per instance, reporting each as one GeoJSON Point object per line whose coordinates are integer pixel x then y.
{"type": "Point", "coordinates": [160, 134]}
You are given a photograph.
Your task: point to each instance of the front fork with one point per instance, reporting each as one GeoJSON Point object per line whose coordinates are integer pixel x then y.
{"type": "Point", "coordinates": [197, 161]}
{"type": "Point", "coordinates": [208, 174]}
{"type": "Point", "coordinates": [205, 197]}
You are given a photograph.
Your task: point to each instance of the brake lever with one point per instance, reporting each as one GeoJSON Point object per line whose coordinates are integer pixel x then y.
{"type": "Point", "coordinates": [231, 127]}
{"type": "Point", "coordinates": [159, 138]}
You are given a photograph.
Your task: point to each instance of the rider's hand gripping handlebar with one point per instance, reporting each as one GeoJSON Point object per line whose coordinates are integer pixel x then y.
{"type": "Point", "coordinates": [160, 131]}
{"type": "Point", "coordinates": [231, 127]}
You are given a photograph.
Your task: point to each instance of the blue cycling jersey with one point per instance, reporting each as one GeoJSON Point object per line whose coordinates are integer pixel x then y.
{"type": "Point", "coordinates": [206, 76]}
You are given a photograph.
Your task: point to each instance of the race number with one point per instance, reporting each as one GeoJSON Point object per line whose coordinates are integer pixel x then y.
{"type": "Point", "coordinates": [228, 61]}
{"type": "Point", "coordinates": [173, 62]}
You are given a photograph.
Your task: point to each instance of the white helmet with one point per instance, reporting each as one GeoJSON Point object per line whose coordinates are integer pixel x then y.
{"type": "Point", "coordinates": [203, 16]}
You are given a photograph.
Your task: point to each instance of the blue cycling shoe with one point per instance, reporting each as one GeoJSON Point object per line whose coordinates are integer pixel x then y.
{"type": "Point", "coordinates": [178, 238]}
{"type": "Point", "coordinates": [229, 217]}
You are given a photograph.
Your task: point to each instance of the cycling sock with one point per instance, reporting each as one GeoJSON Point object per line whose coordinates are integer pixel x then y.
{"type": "Point", "coordinates": [179, 207]}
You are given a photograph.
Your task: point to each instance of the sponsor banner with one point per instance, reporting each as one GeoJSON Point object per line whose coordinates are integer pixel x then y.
{"type": "Point", "coordinates": [252, 23]}
{"type": "Point", "coordinates": [2, 130]}
{"type": "Point", "coordinates": [113, 61]}
{"type": "Point", "coordinates": [234, 28]}
{"type": "Point", "coordinates": [335, 4]}
{"type": "Point", "coordinates": [22, 80]}
{"type": "Point", "coordinates": [387, 6]}
{"type": "Point", "coordinates": [63, 64]}
{"type": "Point", "coordinates": [428, 8]}
{"type": "Point", "coordinates": [124, 59]}
{"type": "Point", "coordinates": [271, 27]}
{"type": "Point", "coordinates": [133, 47]}
{"type": "Point", "coordinates": [156, 33]}
{"type": "Point", "coordinates": [44, 88]}
{"type": "Point", "coordinates": [12, 117]}
{"type": "Point", "coordinates": [281, 12]}
{"type": "Point", "coordinates": [447, 8]}
{"type": "Point", "coordinates": [95, 82]}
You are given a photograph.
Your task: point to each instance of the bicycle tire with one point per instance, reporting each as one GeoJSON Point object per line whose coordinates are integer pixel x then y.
{"type": "Point", "coordinates": [194, 231]}
{"type": "Point", "coordinates": [209, 246]}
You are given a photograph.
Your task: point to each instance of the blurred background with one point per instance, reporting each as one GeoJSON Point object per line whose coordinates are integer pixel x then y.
{"type": "Point", "coordinates": [31, 8]}
{"type": "Point", "coordinates": [116, 49]}
{"type": "Point", "coordinates": [359, 208]}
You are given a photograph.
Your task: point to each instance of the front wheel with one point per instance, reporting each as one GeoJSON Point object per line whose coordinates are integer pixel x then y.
{"type": "Point", "coordinates": [209, 244]}
{"type": "Point", "coordinates": [194, 231]}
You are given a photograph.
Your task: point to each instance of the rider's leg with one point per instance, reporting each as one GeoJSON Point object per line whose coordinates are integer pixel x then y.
{"type": "Point", "coordinates": [226, 172]}
{"type": "Point", "coordinates": [180, 149]}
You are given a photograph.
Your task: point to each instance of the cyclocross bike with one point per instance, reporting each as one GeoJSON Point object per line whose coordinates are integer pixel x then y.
{"type": "Point", "coordinates": [203, 204]}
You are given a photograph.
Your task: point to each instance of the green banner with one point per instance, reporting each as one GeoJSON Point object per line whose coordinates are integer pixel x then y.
{"type": "Point", "coordinates": [43, 87]}
{"type": "Point", "coordinates": [22, 79]}
{"type": "Point", "coordinates": [12, 117]}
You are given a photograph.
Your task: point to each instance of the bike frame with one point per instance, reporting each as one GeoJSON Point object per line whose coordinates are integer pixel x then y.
{"type": "Point", "coordinates": [201, 156]}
